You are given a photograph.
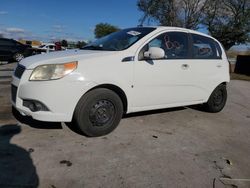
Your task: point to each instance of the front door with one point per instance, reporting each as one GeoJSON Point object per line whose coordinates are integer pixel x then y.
{"type": "Point", "coordinates": [164, 82]}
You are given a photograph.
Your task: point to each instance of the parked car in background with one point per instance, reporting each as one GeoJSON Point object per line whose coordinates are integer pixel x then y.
{"type": "Point", "coordinates": [11, 50]}
{"type": "Point", "coordinates": [47, 47]}
{"type": "Point", "coordinates": [135, 69]}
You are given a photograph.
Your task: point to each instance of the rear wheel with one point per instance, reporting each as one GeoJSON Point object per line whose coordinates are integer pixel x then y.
{"type": "Point", "coordinates": [217, 99]}
{"type": "Point", "coordinates": [98, 112]}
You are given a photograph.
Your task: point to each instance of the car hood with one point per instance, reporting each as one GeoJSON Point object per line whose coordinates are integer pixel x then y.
{"type": "Point", "coordinates": [62, 57]}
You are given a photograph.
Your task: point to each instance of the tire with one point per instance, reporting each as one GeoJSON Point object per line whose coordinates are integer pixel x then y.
{"type": "Point", "coordinates": [217, 99]}
{"type": "Point", "coordinates": [18, 57]}
{"type": "Point", "coordinates": [98, 112]}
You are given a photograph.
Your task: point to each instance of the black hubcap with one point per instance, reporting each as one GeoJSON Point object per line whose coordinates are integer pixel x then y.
{"type": "Point", "coordinates": [218, 98]}
{"type": "Point", "coordinates": [102, 113]}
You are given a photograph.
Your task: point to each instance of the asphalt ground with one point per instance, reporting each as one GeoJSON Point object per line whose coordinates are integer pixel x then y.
{"type": "Point", "coordinates": [177, 147]}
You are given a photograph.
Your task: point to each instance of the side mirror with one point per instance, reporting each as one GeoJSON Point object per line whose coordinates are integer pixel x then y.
{"type": "Point", "coordinates": [154, 53]}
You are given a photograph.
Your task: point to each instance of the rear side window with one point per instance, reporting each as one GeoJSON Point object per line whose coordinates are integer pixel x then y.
{"type": "Point", "coordinates": [205, 48]}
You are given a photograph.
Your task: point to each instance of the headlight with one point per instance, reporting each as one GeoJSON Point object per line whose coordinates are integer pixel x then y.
{"type": "Point", "coordinates": [52, 71]}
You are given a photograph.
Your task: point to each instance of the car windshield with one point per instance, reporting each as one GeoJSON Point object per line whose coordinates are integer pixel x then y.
{"type": "Point", "coordinates": [120, 40]}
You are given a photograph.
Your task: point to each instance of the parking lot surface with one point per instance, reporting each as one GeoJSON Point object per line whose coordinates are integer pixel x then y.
{"type": "Point", "coordinates": [179, 147]}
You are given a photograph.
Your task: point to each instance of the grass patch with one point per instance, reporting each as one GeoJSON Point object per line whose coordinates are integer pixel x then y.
{"type": "Point", "coordinates": [235, 76]}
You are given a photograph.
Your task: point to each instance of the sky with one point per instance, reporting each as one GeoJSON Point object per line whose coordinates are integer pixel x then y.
{"type": "Point", "coordinates": [73, 20]}
{"type": "Point", "coordinates": [64, 19]}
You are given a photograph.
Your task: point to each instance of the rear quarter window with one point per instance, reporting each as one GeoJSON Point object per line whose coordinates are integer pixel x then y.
{"type": "Point", "coordinates": [205, 48]}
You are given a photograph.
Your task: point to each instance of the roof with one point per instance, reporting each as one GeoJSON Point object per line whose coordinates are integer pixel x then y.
{"type": "Point", "coordinates": [162, 28]}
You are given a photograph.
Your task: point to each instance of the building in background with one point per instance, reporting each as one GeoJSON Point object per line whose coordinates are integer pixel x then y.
{"type": "Point", "coordinates": [33, 43]}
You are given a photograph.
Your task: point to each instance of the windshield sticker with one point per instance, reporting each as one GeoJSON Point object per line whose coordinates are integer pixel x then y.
{"type": "Point", "coordinates": [134, 33]}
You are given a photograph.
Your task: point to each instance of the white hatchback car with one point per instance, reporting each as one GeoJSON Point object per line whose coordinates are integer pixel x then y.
{"type": "Point", "coordinates": [135, 69]}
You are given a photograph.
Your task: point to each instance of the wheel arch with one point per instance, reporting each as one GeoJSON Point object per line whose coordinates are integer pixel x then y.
{"type": "Point", "coordinates": [117, 90]}
{"type": "Point", "coordinates": [217, 101]}
{"type": "Point", "coordinates": [220, 83]}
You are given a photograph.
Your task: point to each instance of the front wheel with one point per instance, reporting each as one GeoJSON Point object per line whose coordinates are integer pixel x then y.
{"type": "Point", "coordinates": [98, 112]}
{"type": "Point", "coordinates": [217, 99]}
{"type": "Point", "coordinates": [18, 57]}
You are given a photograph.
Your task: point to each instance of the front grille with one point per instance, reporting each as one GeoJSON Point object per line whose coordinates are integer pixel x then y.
{"type": "Point", "coordinates": [13, 93]}
{"type": "Point", "coordinates": [19, 71]}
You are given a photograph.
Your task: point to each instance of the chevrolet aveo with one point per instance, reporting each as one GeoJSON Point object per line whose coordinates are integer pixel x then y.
{"type": "Point", "coordinates": [135, 69]}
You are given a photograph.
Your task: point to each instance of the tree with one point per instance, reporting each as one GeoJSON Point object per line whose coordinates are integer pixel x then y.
{"type": "Point", "coordinates": [226, 20]}
{"type": "Point", "coordinates": [180, 13]}
{"type": "Point", "coordinates": [193, 12]}
{"type": "Point", "coordinates": [80, 44]}
{"type": "Point", "coordinates": [162, 11]}
{"type": "Point", "coordinates": [64, 43]}
{"type": "Point", "coordinates": [103, 29]}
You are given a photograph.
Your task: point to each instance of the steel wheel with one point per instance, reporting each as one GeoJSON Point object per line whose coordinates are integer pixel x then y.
{"type": "Point", "coordinates": [98, 112]}
{"type": "Point", "coordinates": [102, 113]}
{"type": "Point", "coordinates": [18, 57]}
{"type": "Point", "coordinates": [217, 100]}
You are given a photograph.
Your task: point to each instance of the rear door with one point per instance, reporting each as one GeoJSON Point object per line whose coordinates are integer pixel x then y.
{"type": "Point", "coordinates": [207, 65]}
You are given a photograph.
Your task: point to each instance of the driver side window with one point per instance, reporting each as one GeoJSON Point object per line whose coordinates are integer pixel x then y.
{"type": "Point", "coordinates": [175, 45]}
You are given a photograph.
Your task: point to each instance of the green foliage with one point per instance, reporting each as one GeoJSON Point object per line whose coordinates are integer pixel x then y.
{"type": "Point", "coordinates": [103, 29]}
{"type": "Point", "coordinates": [80, 44]}
{"type": "Point", "coordinates": [228, 21]}
{"type": "Point", "coordinates": [64, 43]}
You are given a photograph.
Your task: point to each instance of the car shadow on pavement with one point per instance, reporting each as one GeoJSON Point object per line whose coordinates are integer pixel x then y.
{"type": "Point", "coordinates": [72, 126]}
{"type": "Point", "coordinates": [199, 107]}
{"type": "Point", "coordinates": [34, 123]}
{"type": "Point", "coordinates": [16, 166]}
{"type": "Point", "coordinates": [150, 112]}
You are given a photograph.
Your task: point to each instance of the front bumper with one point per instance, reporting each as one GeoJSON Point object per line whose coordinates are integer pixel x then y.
{"type": "Point", "coordinates": [59, 96]}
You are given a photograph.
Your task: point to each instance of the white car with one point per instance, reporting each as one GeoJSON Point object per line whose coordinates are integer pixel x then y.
{"type": "Point", "coordinates": [135, 69]}
{"type": "Point", "coordinates": [47, 47]}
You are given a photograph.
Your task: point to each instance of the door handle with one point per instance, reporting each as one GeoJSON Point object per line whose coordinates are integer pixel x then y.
{"type": "Point", "coordinates": [184, 66]}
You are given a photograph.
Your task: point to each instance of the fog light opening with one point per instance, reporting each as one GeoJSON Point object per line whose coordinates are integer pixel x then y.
{"type": "Point", "coordinates": [35, 106]}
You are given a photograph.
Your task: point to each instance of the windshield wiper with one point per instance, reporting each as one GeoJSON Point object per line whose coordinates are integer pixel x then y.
{"type": "Point", "coordinates": [92, 47]}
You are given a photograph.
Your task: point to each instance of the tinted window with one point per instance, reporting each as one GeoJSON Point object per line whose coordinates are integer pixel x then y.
{"type": "Point", "coordinates": [205, 48]}
{"type": "Point", "coordinates": [18, 44]}
{"type": "Point", "coordinates": [5, 42]}
{"type": "Point", "coordinates": [175, 45]}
